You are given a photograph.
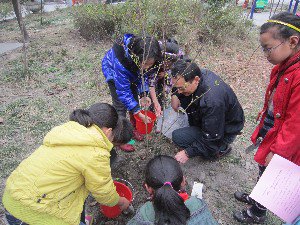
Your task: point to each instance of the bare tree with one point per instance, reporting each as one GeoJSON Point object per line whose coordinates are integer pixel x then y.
{"type": "Point", "coordinates": [17, 10]}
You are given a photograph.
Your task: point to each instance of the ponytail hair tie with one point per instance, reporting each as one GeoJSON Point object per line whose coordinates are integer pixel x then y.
{"type": "Point", "coordinates": [168, 183]}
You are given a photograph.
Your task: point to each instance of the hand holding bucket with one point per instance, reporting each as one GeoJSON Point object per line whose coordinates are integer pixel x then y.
{"type": "Point", "coordinates": [145, 102]}
{"type": "Point", "coordinates": [141, 126]}
{"type": "Point", "coordinates": [124, 191]}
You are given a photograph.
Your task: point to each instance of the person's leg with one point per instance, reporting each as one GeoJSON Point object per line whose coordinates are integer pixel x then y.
{"type": "Point", "coordinates": [159, 88]}
{"type": "Point", "coordinates": [136, 135]}
{"type": "Point", "coordinates": [82, 217]}
{"type": "Point", "coordinates": [119, 106]}
{"type": "Point", "coordinates": [135, 93]}
{"type": "Point", "coordinates": [160, 92]}
{"type": "Point", "coordinates": [193, 141]}
{"type": "Point", "coordinates": [188, 138]}
{"type": "Point", "coordinates": [121, 109]}
{"type": "Point", "coordinates": [258, 209]}
{"type": "Point", "coordinates": [113, 156]}
{"type": "Point", "coordinates": [11, 220]}
{"type": "Point", "coordinates": [184, 137]}
{"type": "Point", "coordinates": [257, 212]}
{"type": "Point", "coordinates": [115, 159]}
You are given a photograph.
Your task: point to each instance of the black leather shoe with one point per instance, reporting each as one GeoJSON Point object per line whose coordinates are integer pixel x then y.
{"type": "Point", "coordinates": [247, 217]}
{"type": "Point", "coordinates": [243, 197]}
{"type": "Point", "coordinates": [224, 152]}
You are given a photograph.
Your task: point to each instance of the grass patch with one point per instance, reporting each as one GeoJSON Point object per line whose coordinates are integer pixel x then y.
{"type": "Point", "coordinates": [10, 159]}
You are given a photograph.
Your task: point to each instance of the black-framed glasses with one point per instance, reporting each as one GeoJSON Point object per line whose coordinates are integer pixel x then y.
{"type": "Point", "coordinates": [269, 50]}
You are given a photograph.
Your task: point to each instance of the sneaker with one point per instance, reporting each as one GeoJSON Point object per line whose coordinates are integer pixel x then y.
{"type": "Point", "coordinates": [88, 220]}
{"type": "Point", "coordinates": [138, 136]}
{"type": "Point", "coordinates": [127, 148]}
{"type": "Point", "coordinates": [247, 217]}
{"type": "Point", "coordinates": [243, 197]}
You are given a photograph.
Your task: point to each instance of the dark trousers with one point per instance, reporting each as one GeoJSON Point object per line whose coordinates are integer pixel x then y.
{"type": "Point", "coordinates": [192, 140]}
{"type": "Point", "coordinates": [113, 156]}
{"type": "Point", "coordinates": [256, 208]}
{"type": "Point", "coordinates": [159, 90]}
{"type": "Point", "coordinates": [82, 217]}
{"type": "Point", "coordinates": [11, 220]}
{"type": "Point", "coordinates": [119, 106]}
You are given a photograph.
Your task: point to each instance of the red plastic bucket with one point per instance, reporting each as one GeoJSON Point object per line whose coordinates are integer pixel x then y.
{"type": "Point", "coordinates": [142, 127]}
{"type": "Point", "coordinates": [123, 191]}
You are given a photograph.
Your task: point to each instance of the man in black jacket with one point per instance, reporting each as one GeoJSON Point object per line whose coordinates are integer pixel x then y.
{"type": "Point", "coordinates": [214, 112]}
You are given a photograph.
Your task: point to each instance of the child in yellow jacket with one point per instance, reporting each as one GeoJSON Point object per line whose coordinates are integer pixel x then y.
{"type": "Point", "coordinates": [51, 185]}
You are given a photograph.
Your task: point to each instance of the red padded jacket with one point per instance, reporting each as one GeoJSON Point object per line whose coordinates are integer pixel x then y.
{"type": "Point", "coordinates": [284, 138]}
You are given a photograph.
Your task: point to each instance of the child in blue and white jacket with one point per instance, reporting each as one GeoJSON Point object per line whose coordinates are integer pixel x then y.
{"type": "Point", "coordinates": [123, 67]}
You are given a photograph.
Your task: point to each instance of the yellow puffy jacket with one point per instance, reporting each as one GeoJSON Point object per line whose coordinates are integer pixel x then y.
{"type": "Point", "coordinates": [51, 185]}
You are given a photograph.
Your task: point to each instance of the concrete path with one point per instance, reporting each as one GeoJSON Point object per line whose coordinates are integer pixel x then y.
{"type": "Point", "coordinates": [52, 6]}
{"type": "Point", "coordinates": [48, 7]}
{"type": "Point", "coordinates": [6, 47]}
{"type": "Point", "coordinates": [260, 18]}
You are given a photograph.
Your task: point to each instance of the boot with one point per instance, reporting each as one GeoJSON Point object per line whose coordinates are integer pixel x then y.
{"type": "Point", "coordinates": [243, 197]}
{"type": "Point", "coordinates": [245, 216]}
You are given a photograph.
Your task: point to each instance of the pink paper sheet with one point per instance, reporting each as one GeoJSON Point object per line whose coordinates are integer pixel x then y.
{"type": "Point", "coordinates": [278, 189]}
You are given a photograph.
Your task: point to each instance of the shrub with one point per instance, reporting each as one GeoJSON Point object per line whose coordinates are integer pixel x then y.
{"type": "Point", "coordinates": [160, 18]}
{"type": "Point", "coordinates": [94, 21]}
{"type": "Point", "coordinates": [220, 23]}
{"type": "Point", "coordinates": [148, 16]}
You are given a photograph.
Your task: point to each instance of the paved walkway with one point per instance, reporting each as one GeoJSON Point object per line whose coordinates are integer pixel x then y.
{"type": "Point", "coordinates": [48, 7]}
{"type": "Point", "coordinates": [6, 47]}
{"type": "Point", "coordinates": [260, 18]}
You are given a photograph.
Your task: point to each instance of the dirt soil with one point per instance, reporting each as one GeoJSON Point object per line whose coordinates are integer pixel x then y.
{"type": "Point", "coordinates": [65, 73]}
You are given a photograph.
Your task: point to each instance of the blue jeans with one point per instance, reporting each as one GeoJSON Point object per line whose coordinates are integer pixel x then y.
{"type": "Point", "coordinates": [14, 221]}
{"type": "Point", "coordinates": [192, 140]}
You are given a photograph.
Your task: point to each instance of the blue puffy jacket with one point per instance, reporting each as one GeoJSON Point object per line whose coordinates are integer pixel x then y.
{"type": "Point", "coordinates": [118, 66]}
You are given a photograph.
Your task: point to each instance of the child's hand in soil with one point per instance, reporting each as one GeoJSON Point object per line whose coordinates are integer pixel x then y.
{"type": "Point", "coordinates": [123, 203]}
{"type": "Point", "coordinates": [145, 101]}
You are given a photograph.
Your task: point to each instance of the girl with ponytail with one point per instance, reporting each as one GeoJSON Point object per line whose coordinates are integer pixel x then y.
{"type": "Point", "coordinates": [169, 204]}
{"type": "Point", "coordinates": [51, 185]}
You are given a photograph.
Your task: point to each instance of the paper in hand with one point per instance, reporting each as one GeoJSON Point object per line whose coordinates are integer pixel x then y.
{"type": "Point", "coordinates": [278, 189]}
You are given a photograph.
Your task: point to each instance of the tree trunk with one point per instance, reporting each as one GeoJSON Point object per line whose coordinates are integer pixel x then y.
{"type": "Point", "coordinates": [17, 10]}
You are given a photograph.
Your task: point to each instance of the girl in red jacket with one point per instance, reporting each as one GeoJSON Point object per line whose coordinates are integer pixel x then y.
{"type": "Point", "coordinates": [279, 129]}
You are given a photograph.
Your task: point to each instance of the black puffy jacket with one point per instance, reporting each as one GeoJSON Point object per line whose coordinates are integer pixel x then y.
{"type": "Point", "coordinates": [216, 109]}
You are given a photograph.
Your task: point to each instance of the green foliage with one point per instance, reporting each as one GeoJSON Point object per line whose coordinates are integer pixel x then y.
{"type": "Point", "coordinates": [161, 18]}
{"type": "Point", "coordinates": [146, 16]}
{"type": "Point", "coordinates": [220, 23]}
{"type": "Point", "coordinates": [94, 21]}
{"type": "Point", "coordinates": [6, 8]}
